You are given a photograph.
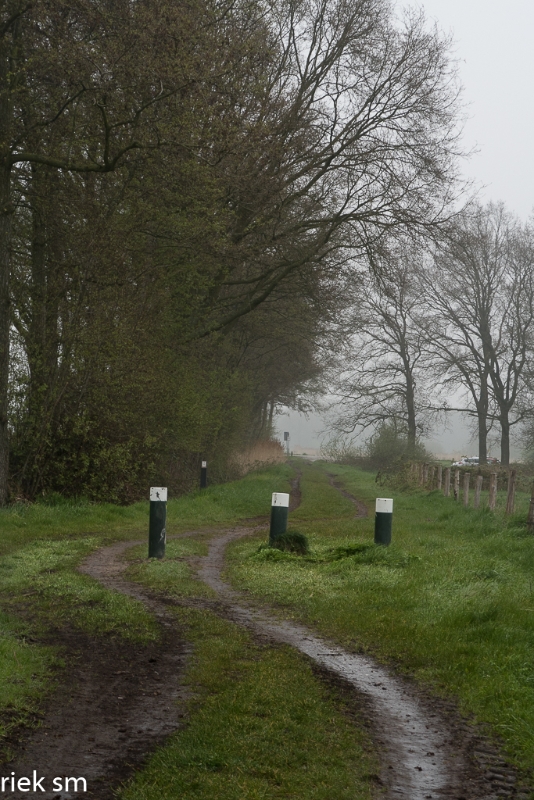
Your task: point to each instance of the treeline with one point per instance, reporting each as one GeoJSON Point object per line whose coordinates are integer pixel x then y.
{"type": "Point", "coordinates": [446, 324]}
{"type": "Point", "coordinates": [185, 190]}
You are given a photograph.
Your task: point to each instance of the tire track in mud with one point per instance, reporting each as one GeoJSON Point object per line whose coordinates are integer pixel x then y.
{"type": "Point", "coordinates": [424, 755]}
{"type": "Point", "coordinates": [117, 702]}
{"type": "Point", "coordinates": [361, 508]}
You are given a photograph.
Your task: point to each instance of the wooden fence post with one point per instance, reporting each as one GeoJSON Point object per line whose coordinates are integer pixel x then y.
{"type": "Point", "coordinates": [440, 475]}
{"type": "Point", "coordinates": [492, 491]}
{"type": "Point", "coordinates": [421, 473]}
{"type": "Point", "coordinates": [510, 499]}
{"type": "Point", "coordinates": [478, 489]}
{"type": "Point", "coordinates": [431, 477]}
{"type": "Point", "coordinates": [456, 484]}
{"type": "Point", "coordinates": [425, 474]}
{"type": "Point", "coordinates": [447, 487]}
{"type": "Point", "coordinates": [467, 476]}
{"type": "Point", "coordinates": [530, 518]}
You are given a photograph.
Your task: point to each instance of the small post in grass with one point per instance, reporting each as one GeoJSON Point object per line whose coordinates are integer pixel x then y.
{"type": "Point", "coordinates": [425, 474]}
{"type": "Point", "coordinates": [478, 489]}
{"type": "Point", "coordinates": [440, 476]}
{"type": "Point", "coordinates": [204, 475]}
{"type": "Point", "coordinates": [447, 487]}
{"type": "Point", "coordinates": [467, 476]}
{"type": "Point", "coordinates": [158, 517]}
{"type": "Point", "coordinates": [510, 498]}
{"type": "Point", "coordinates": [456, 484]}
{"type": "Point", "coordinates": [279, 512]}
{"type": "Point", "coordinates": [530, 518]}
{"type": "Point", "coordinates": [383, 520]}
{"type": "Point", "coordinates": [431, 476]}
{"type": "Point", "coordinates": [492, 491]}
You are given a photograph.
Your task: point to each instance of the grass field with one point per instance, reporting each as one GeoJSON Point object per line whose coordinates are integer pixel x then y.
{"type": "Point", "coordinates": [261, 726]}
{"type": "Point", "coordinates": [450, 602]}
{"type": "Point", "coordinates": [40, 588]}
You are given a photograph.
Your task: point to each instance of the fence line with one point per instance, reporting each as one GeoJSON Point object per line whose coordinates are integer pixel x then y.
{"type": "Point", "coordinates": [437, 477]}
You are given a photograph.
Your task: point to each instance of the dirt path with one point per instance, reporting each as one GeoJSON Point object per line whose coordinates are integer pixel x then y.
{"type": "Point", "coordinates": [361, 508]}
{"type": "Point", "coordinates": [119, 701]}
{"type": "Point", "coordinates": [427, 750]}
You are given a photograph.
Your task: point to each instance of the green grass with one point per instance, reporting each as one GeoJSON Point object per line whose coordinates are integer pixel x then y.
{"type": "Point", "coordinates": [451, 601]}
{"type": "Point", "coordinates": [261, 726]}
{"type": "Point", "coordinates": [43, 577]}
{"type": "Point", "coordinates": [25, 675]}
{"type": "Point", "coordinates": [41, 545]}
{"type": "Point", "coordinates": [173, 575]}
{"type": "Point", "coordinates": [224, 504]}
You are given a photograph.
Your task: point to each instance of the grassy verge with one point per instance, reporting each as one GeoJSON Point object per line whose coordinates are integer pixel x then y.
{"type": "Point", "coordinates": [42, 544]}
{"type": "Point", "coordinates": [218, 505]}
{"type": "Point", "coordinates": [450, 601]}
{"type": "Point", "coordinates": [261, 726]}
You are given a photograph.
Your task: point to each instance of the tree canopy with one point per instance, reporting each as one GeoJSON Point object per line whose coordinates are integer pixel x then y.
{"type": "Point", "coordinates": [184, 189]}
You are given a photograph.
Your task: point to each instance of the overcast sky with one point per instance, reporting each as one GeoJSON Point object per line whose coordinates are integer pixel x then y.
{"type": "Point", "coordinates": [493, 44]}
{"type": "Point", "coordinates": [495, 53]}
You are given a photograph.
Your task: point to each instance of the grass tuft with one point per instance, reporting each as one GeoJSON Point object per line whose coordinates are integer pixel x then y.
{"type": "Point", "coordinates": [292, 542]}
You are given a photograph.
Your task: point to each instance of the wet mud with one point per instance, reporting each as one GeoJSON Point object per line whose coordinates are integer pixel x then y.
{"type": "Point", "coordinates": [427, 749]}
{"type": "Point", "coordinates": [117, 701]}
{"type": "Point", "coordinates": [361, 508]}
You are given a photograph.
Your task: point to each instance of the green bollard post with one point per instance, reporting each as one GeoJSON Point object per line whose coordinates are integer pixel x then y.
{"type": "Point", "coordinates": [383, 520]}
{"type": "Point", "coordinates": [279, 512]}
{"type": "Point", "coordinates": [156, 527]}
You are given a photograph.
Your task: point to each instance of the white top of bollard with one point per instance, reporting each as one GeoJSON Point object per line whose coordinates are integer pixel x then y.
{"type": "Point", "coordinates": [280, 499]}
{"type": "Point", "coordinates": [204, 464]}
{"type": "Point", "coordinates": [384, 505]}
{"type": "Point", "coordinates": [158, 493]}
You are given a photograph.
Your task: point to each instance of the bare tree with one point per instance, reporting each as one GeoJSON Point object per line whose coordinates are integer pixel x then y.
{"type": "Point", "coordinates": [480, 318]}
{"type": "Point", "coordinates": [362, 119]}
{"type": "Point", "coordinates": [382, 377]}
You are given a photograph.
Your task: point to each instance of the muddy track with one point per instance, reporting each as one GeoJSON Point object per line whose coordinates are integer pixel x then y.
{"type": "Point", "coordinates": [361, 508]}
{"type": "Point", "coordinates": [118, 701]}
{"type": "Point", "coordinates": [295, 494]}
{"type": "Point", "coordinates": [427, 749]}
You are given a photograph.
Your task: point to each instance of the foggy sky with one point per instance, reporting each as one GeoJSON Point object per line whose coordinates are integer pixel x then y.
{"type": "Point", "coordinates": [492, 44]}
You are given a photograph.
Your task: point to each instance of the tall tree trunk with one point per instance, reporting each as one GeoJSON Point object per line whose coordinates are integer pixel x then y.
{"type": "Point", "coordinates": [6, 110]}
{"type": "Point", "coordinates": [410, 414]}
{"type": "Point", "coordinates": [482, 412]}
{"type": "Point", "coordinates": [505, 439]}
{"type": "Point", "coordinates": [9, 78]}
{"type": "Point", "coordinates": [482, 437]}
{"type": "Point", "coordinates": [5, 252]}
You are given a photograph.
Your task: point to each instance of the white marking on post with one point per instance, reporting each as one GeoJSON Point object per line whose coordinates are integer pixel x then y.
{"type": "Point", "coordinates": [204, 464]}
{"type": "Point", "coordinates": [158, 493]}
{"type": "Point", "coordinates": [384, 505]}
{"type": "Point", "coordinates": [280, 499]}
